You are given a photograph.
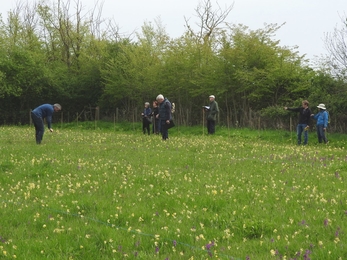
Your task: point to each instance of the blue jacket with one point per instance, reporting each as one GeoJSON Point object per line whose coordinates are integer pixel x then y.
{"type": "Point", "coordinates": [45, 111]}
{"type": "Point", "coordinates": [147, 112]}
{"type": "Point", "coordinates": [322, 118]}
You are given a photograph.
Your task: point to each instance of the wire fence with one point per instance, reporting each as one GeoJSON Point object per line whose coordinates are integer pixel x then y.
{"type": "Point", "coordinates": [231, 119]}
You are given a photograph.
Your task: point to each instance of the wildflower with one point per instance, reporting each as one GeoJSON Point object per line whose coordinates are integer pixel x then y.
{"type": "Point", "coordinates": [326, 222]}
{"type": "Point", "coordinates": [337, 232]}
{"type": "Point", "coordinates": [272, 252]}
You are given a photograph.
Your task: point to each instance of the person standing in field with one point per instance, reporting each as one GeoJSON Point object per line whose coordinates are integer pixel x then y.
{"type": "Point", "coordinates": [211, 116]}
{"type": "Point", "coordinates": [146, 118]}
{"type": "Point", "coordinates": [155, 121]}
{"type": "Point", "coordinates": [164, 115]}
{"type": "Point", "coordinates": [304, 120]}
{"type": "Point", "coordinates": [322, 119]}
{"type": "Point", "coordinates": [40, 113]}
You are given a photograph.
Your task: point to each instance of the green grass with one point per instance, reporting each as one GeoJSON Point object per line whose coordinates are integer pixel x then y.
{"type": "Point", "coordinates": [96, 191]}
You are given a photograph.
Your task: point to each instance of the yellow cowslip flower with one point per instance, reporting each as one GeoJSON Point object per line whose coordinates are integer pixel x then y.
{"type": "Point", "coordinates": [272, 252]}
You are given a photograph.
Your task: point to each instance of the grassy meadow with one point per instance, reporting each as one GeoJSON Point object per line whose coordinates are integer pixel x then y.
{"type": "Point", "coordinates": [113, 193]}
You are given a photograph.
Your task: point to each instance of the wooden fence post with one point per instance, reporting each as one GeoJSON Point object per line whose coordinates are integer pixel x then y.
{"type": "Point", "coordinates": [31, 121]}
{"type": "Point", "coordinates": [203, 121]}
{"type": "Point", "coordinates": [61, 119]}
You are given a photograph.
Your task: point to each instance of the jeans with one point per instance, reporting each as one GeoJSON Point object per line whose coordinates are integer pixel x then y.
{"type": "Point", "coordinates": [321, 134]}
{"type": "Point", "coordinates": [39, 127]}
{"type": "Point", "coordinates": [299, 129]}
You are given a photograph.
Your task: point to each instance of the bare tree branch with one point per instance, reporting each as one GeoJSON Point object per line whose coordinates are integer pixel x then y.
{"type": "Point", "coordinates": [210, 20]}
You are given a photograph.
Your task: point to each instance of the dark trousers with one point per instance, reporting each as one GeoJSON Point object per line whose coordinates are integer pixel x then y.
{"type": "Point", "coordinates": [145, 126]}
{"type": "Point", "coordinates": [39, 127]}
{"type": "Point", "coordinates": [155, 126]}
{"type": "Point", "coordinates": [164, 130]}
{"type": "Point", "coordinates": [211, 124]}
{"type": "Point", "coordinates": [321, 134]}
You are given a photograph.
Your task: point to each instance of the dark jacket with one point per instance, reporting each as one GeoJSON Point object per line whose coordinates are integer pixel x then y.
{"type": "Point", "coordinates": [304, 114]}
{"type": "Point", "coordinates": [213, 111]}
{"type": "Point", "coordinates": [155, 112]}
{"type": "Point", "coordinates": [45, 111]}
{"type": "Point", "coordinates": [165, 110]}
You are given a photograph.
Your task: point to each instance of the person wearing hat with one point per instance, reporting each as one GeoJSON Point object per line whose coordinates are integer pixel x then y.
{"type": "Point", "coordinates": [322, 118]}
{"type": "Point", "coordinates": [40, 113]}
{"type": "Point", "coordinates": [304, 120]}
{"type": "Point", "coordinates": [146, 118]}
{"type": "Point", "coordinates": [211, 115]}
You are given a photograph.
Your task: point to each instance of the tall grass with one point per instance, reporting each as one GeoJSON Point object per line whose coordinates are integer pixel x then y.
{"type": "Point", "coordinates": [100, 192]}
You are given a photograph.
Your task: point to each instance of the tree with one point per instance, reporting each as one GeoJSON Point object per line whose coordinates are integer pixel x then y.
{"type": "Point", "coordinates": [336, 44]}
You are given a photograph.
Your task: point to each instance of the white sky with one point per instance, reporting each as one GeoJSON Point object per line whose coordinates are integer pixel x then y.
{"type": "Point", "coordinates": [307, 21]}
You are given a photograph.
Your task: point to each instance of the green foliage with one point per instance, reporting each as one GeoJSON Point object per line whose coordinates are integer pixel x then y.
{"type": "Point", "coordinates": [274, 112]}
{"type": "Point", "coordinates": [49, 54]}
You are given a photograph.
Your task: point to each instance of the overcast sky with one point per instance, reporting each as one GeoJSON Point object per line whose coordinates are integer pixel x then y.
{"type": "Point", "coordinates": [307, 21]}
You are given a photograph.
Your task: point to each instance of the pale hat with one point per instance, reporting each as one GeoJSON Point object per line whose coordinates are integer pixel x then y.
{"type": "Point", "coordinates": [212, 96]}
{"type": "Point", "coordinates": [321, 106]}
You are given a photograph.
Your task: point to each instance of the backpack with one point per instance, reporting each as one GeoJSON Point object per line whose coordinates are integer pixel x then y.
{"type": "Point", "coordinates": [328, 116]}
{"type": "Point", "coordinates": [173, 108]}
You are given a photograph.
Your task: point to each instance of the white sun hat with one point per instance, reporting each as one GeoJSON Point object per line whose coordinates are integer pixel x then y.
{"type": "Point", "coordinates": [322, 106]}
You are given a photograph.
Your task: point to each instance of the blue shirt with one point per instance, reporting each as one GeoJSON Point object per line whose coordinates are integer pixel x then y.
{"type": "Point", "coordinates": [45, 111]}
{"type": "Point", "coordinates": [322, 118]}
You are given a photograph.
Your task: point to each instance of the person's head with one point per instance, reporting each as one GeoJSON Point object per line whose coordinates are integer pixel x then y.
{"type": "Point", "coordinates": [147, 104]}
{"type": "Point", "coordinates": [212, 97]}
{"type": "Point", "coordinates": [155, 103]}
{"type": "Point", "coordinates": [160, 98]}
{"type": "Point", "coordinates": [321, 107]}
{"type": "Point", "coordinates": [56, 107]}
{"type": "Point", "coordinates": [305, 103]}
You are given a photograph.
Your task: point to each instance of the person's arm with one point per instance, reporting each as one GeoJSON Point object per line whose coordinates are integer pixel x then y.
{"type": "Point", "coordinates": [294, 109]}
{"type": "Point", "coordinates": [49, 122]}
